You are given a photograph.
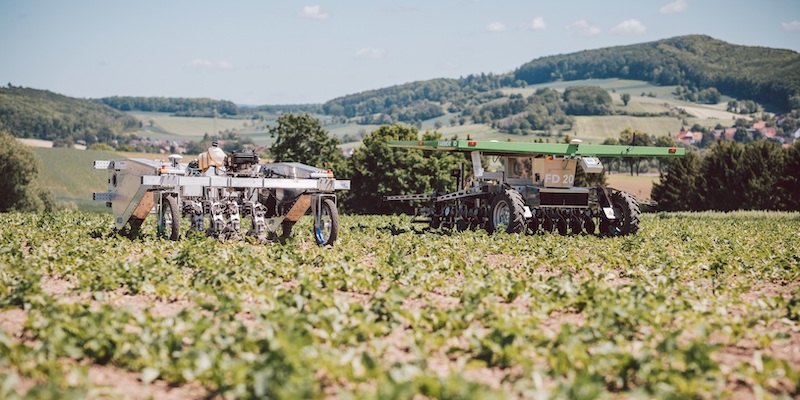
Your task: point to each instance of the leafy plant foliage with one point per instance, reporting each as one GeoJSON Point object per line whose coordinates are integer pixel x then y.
{"type": "Point", "coordinates": [694, 306]}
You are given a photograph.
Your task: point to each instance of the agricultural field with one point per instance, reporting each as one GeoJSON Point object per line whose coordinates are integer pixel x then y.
{"type": "Point", "coordinates": [693, 306]}
{"type": "Point", "coordinates": [594, 129]}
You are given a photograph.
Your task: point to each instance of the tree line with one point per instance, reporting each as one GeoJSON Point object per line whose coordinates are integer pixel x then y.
{"type": "Point", "coordinates": [759, 175]}
{"type": "Point", "coordinates": [184, 107]}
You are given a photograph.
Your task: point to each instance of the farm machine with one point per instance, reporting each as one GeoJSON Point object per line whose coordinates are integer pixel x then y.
{"type": "Point", "coordinates": [533, 189]}
{"type": "Point", "coordinates": [222, 189]}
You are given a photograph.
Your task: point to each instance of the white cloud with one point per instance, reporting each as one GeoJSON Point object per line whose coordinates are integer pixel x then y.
{"type": "Point", "coordinates": [585, 28]}
{"type": "Point", "coordinates": [792, 26]}
{"type": "Point", "coordinates": [537, 24]}
{"type": "Point", "coordinates": [199, 63]}
{"type": "Point", "coordinates": [370, 53]}
{"type": "Point", "coordinates": [497, 27]}
{"type": "Point", "coordinates": [675, 7]}
{"type": "Point", "coordinates": [630, 26]}
{"type": "Point", "coordinates": [314, 12]}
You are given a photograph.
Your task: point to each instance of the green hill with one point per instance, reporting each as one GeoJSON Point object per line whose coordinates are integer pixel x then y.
{"type": "Point", "coordinates": [41, 114]}
{"type": "Point", "coordinates": [766, 75]}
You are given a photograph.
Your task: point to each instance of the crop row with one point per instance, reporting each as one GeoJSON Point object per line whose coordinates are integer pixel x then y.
{"type": "Point", "coordinates": [695, 305]}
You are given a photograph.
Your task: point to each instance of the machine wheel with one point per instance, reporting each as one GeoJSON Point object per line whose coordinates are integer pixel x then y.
{"type": "Point", "coordinates": [507, 211]}
{"type": "Point", "coordinates": [329, 223]}
{"type": "Point", "coordinates": [170, 217]}
{"type": "Point", "coordinates": [628, 213]}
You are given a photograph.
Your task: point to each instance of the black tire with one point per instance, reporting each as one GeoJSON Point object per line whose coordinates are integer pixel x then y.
{"type": "Point", "coordinates": [329, 217]}
{"type": "Point", "coordinates": [171, 217]}
{"type": "Point", "coordinates": [628, 215]}
{"type": "Point", "coordinates": [507, 212]}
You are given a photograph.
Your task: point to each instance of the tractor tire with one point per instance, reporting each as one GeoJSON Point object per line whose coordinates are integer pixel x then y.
{"type": "Point", "coordinates": [329, 218]}
{"type": "Point", "coordinates": [507, 212]}
{"type": "Point", "coordinates": [628, 215]}
{"type": "Point", "coordinates": [171, 217]}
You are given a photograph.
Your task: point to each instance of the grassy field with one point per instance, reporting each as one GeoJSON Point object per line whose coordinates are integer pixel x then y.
{"type": "Point", "coordinates": [69, 174]}
{"type": "Point", "coordinates": [694, 306]}
{"type": "Point", "coordinates": [637, 185]}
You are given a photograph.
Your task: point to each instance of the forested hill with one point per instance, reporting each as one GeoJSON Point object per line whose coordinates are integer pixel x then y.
{"type": "Point", "coordinates": [185, 107]}
{"type": "Point", "coordinates": [769, 76]}
{"type": "Point", "coordinates": [41, 114]}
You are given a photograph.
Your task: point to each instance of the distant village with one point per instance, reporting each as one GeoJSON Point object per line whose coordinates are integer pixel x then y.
{"type": "Point", "coordinates": [757, 130]}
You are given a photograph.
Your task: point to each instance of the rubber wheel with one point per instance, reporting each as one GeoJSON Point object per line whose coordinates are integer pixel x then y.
{"type": "Point", "coordinates": [328, 231]}
{"type": "Point", "coordinates": [507, 212]}
{"type": "Point", "coordinates": [628, 215]}
{"type": "Point", "coordinates": [171, 217]}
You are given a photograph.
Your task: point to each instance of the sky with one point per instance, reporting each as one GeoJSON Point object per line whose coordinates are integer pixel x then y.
{"type": "Point", "coordinates": [257, 52]}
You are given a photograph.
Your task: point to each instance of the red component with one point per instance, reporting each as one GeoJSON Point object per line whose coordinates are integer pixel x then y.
{"type": "Point", "coordinates": [673, 150]}
{"type": "Point", "coordinates": [419, 143]}
{"type": "Point", "coordinates": [472, 144]}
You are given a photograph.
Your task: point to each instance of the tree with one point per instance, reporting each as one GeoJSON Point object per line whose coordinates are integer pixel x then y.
{"type": "Point", "coordinates": [587, 100]}
{"type": "Point", "coordinates": [378, 170]}
{"type": "Point", "coordinates": [720, 186]}
{"type": "Point", "coordinates": [757, 170]}
{"type": "Point", "coordinates": [20, 166]}
{"type": "Point", "coordinates": [789, 181]}
{"type": "Point", "coordinates": [626, 98]}
{"type": "Point", "coordinates": [676, 189]}
{"type": "Point", "coordinates": [301, 138]}
{"type": "Point", "coordinates": [709, 96]}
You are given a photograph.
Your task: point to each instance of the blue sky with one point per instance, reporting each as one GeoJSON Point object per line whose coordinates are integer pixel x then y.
{"type": "Point", "coordinates": [288, 52]}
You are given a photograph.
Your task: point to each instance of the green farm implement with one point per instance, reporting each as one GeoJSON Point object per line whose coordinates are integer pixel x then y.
{"type": "Point", "coordinates": [533, 189]}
